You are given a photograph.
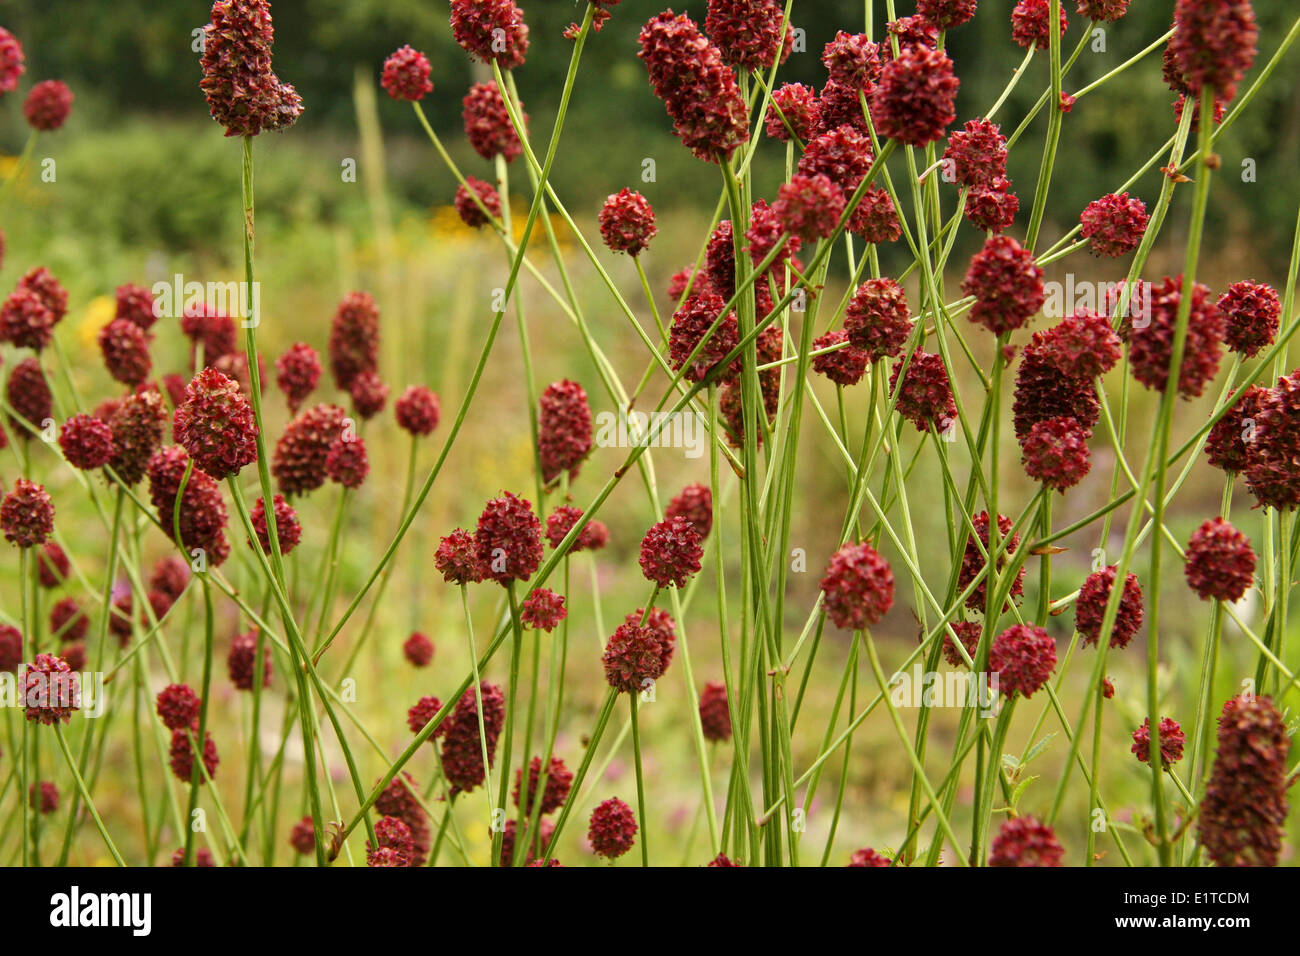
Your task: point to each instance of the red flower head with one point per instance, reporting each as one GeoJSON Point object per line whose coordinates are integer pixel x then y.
{"type": "Point", "coordinates": [406, 75]}
{"type": "Point", "coordinates": [202, 512]}
{"type": "Point", "coordinates": [50, 690]}
{"type": "Point", "coordinates": [241, 662]}
{"type": "Point", "coordinates": [508, 540]}
{"type": "Point", "coordinates": [369, 395]}
{"type": "Point", "coordinates": [298, 463]}
{"type": "Point", "coordinates": [136, 304]}
{"type": "Point", "coordinates": [298, 371]}
{"type": "Point", "coordinates": [47, 105]}
{"type": "Point", "coordinates": [462, 748]}
{"type": "Point", "coordinates": [138, 424]}
{"type": "Point", "coordinates": [469, 211]}
{"type": "Point", "coordinates": [842, 155]}
{"type": "Point", "coordinates": [858, 587]}
{"type": "Point", "coordinates": [633, 658]}
{"type": "Point", "coordinates": [671, 552]}
{"type": "Point", "coordinates": [43, 283]}
{"type": "Point", "coordinates": [1272, 474]}
{"type": "Point", "coordinates": [1151, 347]}
{"type": "Point", "coordinates": [875, 219]}
{"type": "Point", "coordinates": [457, 559]}
{"type": "Point", "coordinates": [613, 829]}
{"type": "Point", "coordinates": [1243, 815]}
{"type": "Point", "coordinates": [973, 560]}
{"type": "Point", "coordinates": [1023, 657]}
{"type": "Point", "coordinates": [1103, 10]}
{"type": "Point", "coordinates": [1114, 224]}
{"type": "Point", "coordinates": [1214, 44]}
{"type": "Point", "coordinates": [1007, 284]}
{"type": "Point", "coordinates": [288, 530]}
{"type": "Point", "coordinates": [11, 61]}
{"type": "Point", "coordinates": [178, 706]}
{"type": "Point", "coordinates": [1082, 346]}
{"type": "Point", "coordinates": [243, 94]}
{"type": "Point", "coordinates": [68, 622]}
{"type": "Point", "coordinates": [544, 833]}
{"type": "Point", "coordinates": [1220, 562]}
{"type": "Point", "coordinates": [1029, 23]}
{"type": "Point", "coordinates": [125, 347]}
{"type": "Point", "coordinates": [715, 714]}
{"type": "Point", "coordinates": [748, 32]}
{"type": "Point", "coordinates": [418, 650]}
{"type": "Point", "coordinates": [216, 425]}
{"type": "Point", "coordinates": [1171, 742]}
{"type": "Point", "coordinates": [1055, 452]}
{"type": "Point", "coordinates": [202, 856]}
{"type": "Point", "coordinates": [916, 97]}
{"type": "Point", "coordinates": [346, 463]}
{"type": "Point", "coordinates": [418, 410]}
{"type": "Point", "coordinates": [664, 627]}
{"type": "Point", "coordinates": [877, 319]}
{"type": "Point", "coordinates": [853, 60]}
{"type": "Point", "coordinates": [52, 566]}
{"type": "Point", "coordinates": [627, 223]}
{"type": "Point", "coordinates": [978, 153]}
{"type": "Point", "coordinates": [559, 779]}
{"type": "Point", "coordinates": [490, 30]}
{"type": "Point", "coordinates": [1090, 608]}
{"type": "Point", "coordinates": [29, 396]}
{"type": "Point", "coordinates": [487, 123]}
{"type": "Point", "coordinates": [695, 504]}
{"type": "Point", "coordinates": [396, 845]}
{"type": "Point", "coordinates": [969, 634]}
{"type": "Point", "coordinates": [992, 208]}
{"type": "Point", "coordinates": [925, 396]}
{"type": "Point", "coordinates": [868, 857]}
{"type": "Point", "coordinates": [1253, 314]}
{"type": "Point", "coordinates": [1043, 393]}
{"type": "Point", "coordinates": [1023, 841]}
{"type": "Point", "coordinates": [27, 514]}
{"type": "Point", "coordinates": [946, 14]}
{"type": "Point", "coordinates": [911, 31]}
{"type": "Point", "coordinates": [87, 442]}
{"type": "Point", "coordinates": [11, 648]}
{"type": "Point", "coordinates": [563, 429]}
{"type": "Point", "coordinates": [182, 757]}
{"type": "Point", "coordinates": [170, 576]}
{"type": "Point", "coordinates": [798, 105]}
{"type": "Point", "coordinates": [592, 537]}
{"type": "Point", "coordinates": [215, 332]}
{"type": "Point", "coordinates": [809, 207]}
{"type": "Point", "coordinates": [26, 321]}
{"type": "Point", "coordinates": [43, 798]}
{"type": "Point", "coordinates": [844, 366]}
{"type": "Point", "coordinates": [690, 324]}
{"type": "Point", "coordinates": [543, 609]}
{"type": "Point", "coordinates": [423, 711]}
{"type": "Point", "coordinates": [354, 339]}
{"type": "Point", "coordinates": [303, 837]}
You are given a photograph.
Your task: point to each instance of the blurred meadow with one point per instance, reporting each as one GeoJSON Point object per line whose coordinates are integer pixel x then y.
{"type": "Point", "coordinates": [146, 187]}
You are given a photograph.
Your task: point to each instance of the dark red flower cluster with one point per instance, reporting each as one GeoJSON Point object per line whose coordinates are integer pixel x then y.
{"type": "Point", "coordinates": [47, 105]}
{"type": "Point", "coordinates": [1172, 740]}
{"type": "Point", "coordinates": [543, 609]}
{"type": "Point", "coordinates": [1273, 457]}
{"type": "Point", "coordinates": [1253, 314]}
{"type": "Point", "coordinates": [470, 212]}
{"type": "Point", "coordinates": [303, 837]}
{"type": "Point", "coordinates": [1214, 44]}
{"type": "Point", "coordinates": [593, 536]}
{"type": "Point", "coordinates": [354, 339]}
{"type": "Point", "coordinates": [50, 690]}
{"type": "Point", "coordinates": [25, 320]}
{"type": "Point", "coordinates": [406, 75]}
{"type": "Point", "coordinates": [1029, 23]}
{"type": "Point", "coordinates": [418, 650]}
{"type": "Point", "coordinates": [241, 662]}
{"type": "Point", "coordinates": [1114, 224]}
{"type": "Point", "coordinates": [1024, 841]}
{"type": "Point", "coordinates": [298, 462]}
{"type": "Point", "coordinates": [11, 648]}
{"type": "Point", "coordinates": [690, 324]}
{"type": "Point", "coordinates": [633, 658]}
{"type": "Point", "coordinates": [212, 330]}
{"type": "Point", "coordinates": [915, 31]}
{"type": "Point", "coordinates": [559, 779]}
{"type": "Point", "coordinates": [125, 347]}
{"type": "Point", "coordinates": [288, 531]}
{"type": "Point", "coordinates": [27, 514]}
{"type": "Point", "coordinates": [1103, 10]}
{"type": "Point", "coordinates": [613, 829]}
{"type": "Point", "coordinates": [968, 632]}
{"type": "Point", "coordinates": [347, 463]}
{"type": "Point", "coordinates": [399, 801]}
{"type": "Point", "coordinates": [487, 123]}
{"type": "Point", "coordinates": [794, 108]}
{"type": "Point", "coordinates": [671, 552]}
{"type": "Point", "coordinates": [876, 220]}
{"type": "Point", "coordinates": [946, 14]}
{"type": "Point", "coordinates": [809, 207]}
{"type": "Point", "coordinates": [1226, 445]}
{"type": "Point", "coordinates": [298, 372]}
{"type": "Point", "coordinates": [563, 429]}
{"type": "Point", "coordinates": [916, 98]}
{"type": "Point", "coordinates": [868, 857]}
{"type": "Point", "coordinates": [43, 797]}
{"type": "Point", "coordinates": [1220, 562]}
{"type": "Point", "coordinates": [462, 748]}
{"type": "Point", "coordinates": [138, 424]}
{"type": "Point", "coordinates": [243, 94]}
{"type": "Point", "coordinates": [1043, 392]}
{"type": "Point", "coordinates": [423, 711]}
{"type": "Point", "coordinates": [842, 155]}
{"type": "Point", "coordinates": [925, 396]}
{"type": "Point", "coordinates": [216, 425]}
{"type": "Point", "coordinates": [394, 844]}
{"type": "Point", "coordinates": [846, 364]}
{"type": "Point", "coordinates": [1244, 812]}
{"type": "Point", "coordinates": [1055, 452]}
{"type": "Point", "coordinates": [1007, 284]}
{"type": "Point", "coordinates": [664, 627]}
{"type": "Point", "coordinates": [858, 587]}
{"type": "Point", "coordinates": [687, 72]}
{"type": "Point", "coordinates": [508, 539]}
{"type": "Point", "coordinates": [457, 558]}
{"type": "Point", "coordinates": [748, 32]}
{"type": "Point", "coordinates": [695, 504]}
{"type": "Point", "coordinates": [179, 706]}
{"type": "Point", "coordinates": [181, 757]}
{"type": "Point", "coordinates": [627, 222]}
{"type": "Point", "coordinates": [136, 304]}
{"type": "Point", "coordinates": [1090, 608]}
{"type": "Point", "coordinates": [1151, 346]}
{"type": "Point", "coordinates": [52, 565]}
{"type": "Point", "coordinates": [29, 397]}
{"type": "Point", "coordinates": [853, 61]}
{"type": "Point", "coordinates": [977, 154]}
{"type": "Point", "coordinates": [1023, 657]}
{"type": "Point", "coordinates": [715, 713]}
{"type": "Point", "coordinates": [973, 561]}
{"type": "Point", "coordinates": [418, 410]}
{"type": "Point", "coordinates": [202, 512]}
{"type": "Point", "coordinates": [1082, 346]}
{"type": "Point", "coordinates": [11, 61]}
{"type": "Point", "coordinates": [491, 30]}
{"type": "Point", "coordinates": [86, 442]}
{"type": "Point", "coordinates": [369, 395]}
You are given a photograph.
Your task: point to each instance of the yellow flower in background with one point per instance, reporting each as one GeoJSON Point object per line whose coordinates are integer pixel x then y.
{"type": "Point", "coordinates": [99, 312]}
